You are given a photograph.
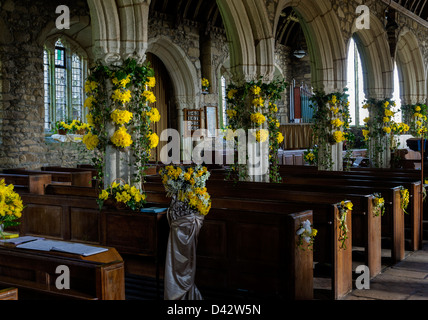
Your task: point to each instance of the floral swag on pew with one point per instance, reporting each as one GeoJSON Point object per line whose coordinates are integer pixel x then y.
{"type": "Point", "coordinates": [344, 207]}
{"type": "Point", "coordinates": [331, 127]}
{"type": "Point", "coordinates": [306, 234]}
{"type": "Point", "coordinates": [251, 106]}
{"type": "Point", "coordinates": [120, 97]}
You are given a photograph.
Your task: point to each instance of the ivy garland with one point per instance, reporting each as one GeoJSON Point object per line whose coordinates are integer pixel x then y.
{"type": "Point", "coordinates": [379, 128]}
{"type": "Point", "coordinates": [306, 234]}
{"type": "Point", "coordinates": [344, 207]}
{"type": "Point", "coordinates": [252, 106]}
{"type": "Point", "coordinates": [331, 123]}
{"type": "Point", "coordinates": [119, 97]}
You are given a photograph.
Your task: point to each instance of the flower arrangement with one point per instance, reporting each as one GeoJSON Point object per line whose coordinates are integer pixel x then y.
{"type": "Point", "coordinates": [122, 196]}
{"type": "Point", "coordinates": [75, 126]}
{"type": "Point", "coordinates": [331, 124]}
{"type": "Point", "coordinates": [306, 234]}
{"type": "Point", "coordinates": [311, 156]}
{"type": "Point", "coordinates": [205, 84]}
{"type": "Point", "coordinates": [121, 97]}
{"type": "Point", "coordinates": [251, 106]}
{"type": "Point", "coordinates": [416, 116]}
{"type": "Point", "coordinates": [11, 206]}
{"type": "Point", "coordinates": [378, 205]}
{"type": "Point", "coordinates": [344, 207]}
{"type": "Point", "coordinates": [189, 185]}
{"type": "Point", "coordinates": [405, 199]}
{"type": "Point", "coordinates": [379, 128]}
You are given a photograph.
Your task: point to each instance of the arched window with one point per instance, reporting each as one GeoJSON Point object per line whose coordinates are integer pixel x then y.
{"type": "Point", "coordinates": [355, 86]}
{"type": "Point", "coordinates": [65, 70]}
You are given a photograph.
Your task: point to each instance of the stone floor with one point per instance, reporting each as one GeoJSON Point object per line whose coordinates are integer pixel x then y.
{"type": "Point", "coordinates": [406, 280]}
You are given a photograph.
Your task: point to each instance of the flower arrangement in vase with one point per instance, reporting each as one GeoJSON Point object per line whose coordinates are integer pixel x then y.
{"type": "Point", "coordinates": [11, 207]}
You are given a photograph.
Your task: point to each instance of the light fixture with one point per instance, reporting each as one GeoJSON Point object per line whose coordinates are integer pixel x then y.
{"type": "Point", "coordinates": [300, 53]}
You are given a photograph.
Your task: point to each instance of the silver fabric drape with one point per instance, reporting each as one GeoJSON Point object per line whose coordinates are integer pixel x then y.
{"type": "Point", "coordinates": [180, 264]}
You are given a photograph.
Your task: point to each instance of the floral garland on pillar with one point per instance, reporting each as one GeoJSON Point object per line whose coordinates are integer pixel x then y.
{"type": "Point", "coordinates": [330, 128]}
{"type": "Point", "coordinates": [251, 106]}
{"type": "Point", "coordinates": [416, 117]}
{"type": "Point", "coordinates": [120, 114]}
{"type": "Point", "coordinates": [379, 130]}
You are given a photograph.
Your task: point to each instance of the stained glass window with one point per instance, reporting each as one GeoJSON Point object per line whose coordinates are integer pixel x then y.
{"type": "Point", "coordinates": [64, 74]}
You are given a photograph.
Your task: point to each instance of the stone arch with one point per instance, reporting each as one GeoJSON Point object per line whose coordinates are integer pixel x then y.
{"type": "Point", "coordinates": [411, 69]}
{"type": "Point", "coordinates": [378, 67]}
{"type": "Point", "coordinates": [185, 82]}
{"type": "Point", "coordinates": [325, 44]}
{"type": "Point", "coordinates": [119, 29]}
{"type": "Point", "coordinates": [250, 35]}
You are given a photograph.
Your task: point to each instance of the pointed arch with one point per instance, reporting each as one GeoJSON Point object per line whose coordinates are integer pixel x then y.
{"type": "Point", "coordinates": [378, 66]}
{"type": "Point", "coordinates": [325, 44]}
{"type": "Point", "coordinates": [411, 68]}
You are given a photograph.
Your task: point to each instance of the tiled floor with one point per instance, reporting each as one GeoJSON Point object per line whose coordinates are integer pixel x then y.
{"type": "Point", "coordinates": [407, 280]}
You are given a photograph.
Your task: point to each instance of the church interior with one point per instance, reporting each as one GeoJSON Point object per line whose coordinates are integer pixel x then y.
{"type": "Point", "coordinates": [121, 176]}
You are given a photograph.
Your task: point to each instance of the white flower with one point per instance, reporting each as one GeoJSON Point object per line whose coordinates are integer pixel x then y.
{"type": "Point", "coordinates": [300, 231]}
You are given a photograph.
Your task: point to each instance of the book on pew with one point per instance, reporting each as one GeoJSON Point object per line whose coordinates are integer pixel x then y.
{"type": "Point", "coordinates": [67, 247]}
{"type": "Point", "coordinates": [154, 210]}
{"type": "Point", "coordinates": [21, 240]}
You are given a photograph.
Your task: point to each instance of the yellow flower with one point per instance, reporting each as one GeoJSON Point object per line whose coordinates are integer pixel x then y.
{"type": "Point", "coordinates": [366, 119]}
{"type": "Point", "coordinates": [256, 90]}
{"type": "Point", "coordinates": [337, 123]}
{"type": "Point", "coordinates": [90, 86]}
{"type": "Point", "coordinates": [103, 195]}
{"type": "Point", "coordinates": [333, 100]}
{"type": "Point", "coordinates": [154, 140]}
{"type": "Point", "coordinates": [389, 113]}
{"type": "Point", "coordinates": [385, 119]}
{"type": "Point", "coordinates": [387, 130]}
{"type": "Point", "coordinates": [338, 136]}
{"type": "Point", "coordinates": [231, 113]}
{"type": "Point", "coordinates": [122, 96]}
{"type": "Point", "coordinates": [205, 83]}
{"type": "Point", "coordinates": [151, 83]}
{"type": "Point", "coordinates": [418, 108]}
{"type": "Point", "coordinates": [121, 138]}
{"type": "Point", "coordinates": [91, 141]}
{"type": "Point", "coordinates": [89, 102]}
{"type": "Point", "coordinates": [262, 135]}
{"type": "Point", "coordinates": [280, 137]}
{"type": "Point", "coordinates": [90, 120]}
{"type": "Point", "coordinates": [150, 97]}
{"type": "Point", "coordinates": [258, 102]}
{"type": "Point", "coordinates": [123, 83]}
{"type": "Point", "coordinates": [154, 115]}
{"type": "Point", "coordinates": [121, 117]}
{"type": "Point", "coordinates": [258, 118]}
{"type": "Point", "coordinates": [231, 93]}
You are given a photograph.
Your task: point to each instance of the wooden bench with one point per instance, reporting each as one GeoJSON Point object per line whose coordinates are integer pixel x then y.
{"type": "Point", "coordinates": [8, 294]}
{"type": "Point", "coordinates": [133, 233]}
{"type": "Point", "coordinates": [27, 183]}
{"type": "Point", "coordinates": [96, 277]}
{"type": "Point", "coordinates": [327, 247]}
{"type": "Point", "coordinates": [93, 171]}
{"type": "Point", "coordinates": [413, 220]}
{"type": "Point", "coordinates": [83, 179]}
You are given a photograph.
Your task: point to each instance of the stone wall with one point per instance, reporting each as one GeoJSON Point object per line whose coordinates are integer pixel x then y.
{"type": "Point", "coordinates": [23, 141]}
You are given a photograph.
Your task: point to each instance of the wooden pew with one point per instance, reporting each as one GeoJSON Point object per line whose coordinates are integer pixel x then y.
{"type": "Point", "coordinates": [27, 183]}
{"type": "Point", "coordinates": [327, 248]}
{"type": "Point", "coordinates": [93, 171]}
{"type": "Point", "coordinates": [131, 233]}
{"type": "Point", "coordinates": [97, 277]}
{"type": "Point", "coordinates": [8, 294]}
{"type": "Point", "coordinates": [83, 179]}
{"type": "Point", "coordinates": [412, 183]}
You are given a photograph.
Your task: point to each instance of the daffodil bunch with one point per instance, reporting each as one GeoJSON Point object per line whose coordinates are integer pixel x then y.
{"type": "Point", "coordinates": [205, 84]}
{"type": "Point", "coordinates": [405, 199]}
{"type": "Point", "coordinates": [378, 205]}
{"type": "Point", "coordinates": [344, 207]}
{"type": "Point", "coordinates": [188, 184]}
{"type": "Point", "coordinates": [129, 196]}
{"type": "Point", "coordinates": [11, 205]}
{"type": "Point", "coordinates": [306, 233]}
{"type": "Point", "coordinates": [311, 156]}
{"type": "Point", "coordinates": [417, 118]}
